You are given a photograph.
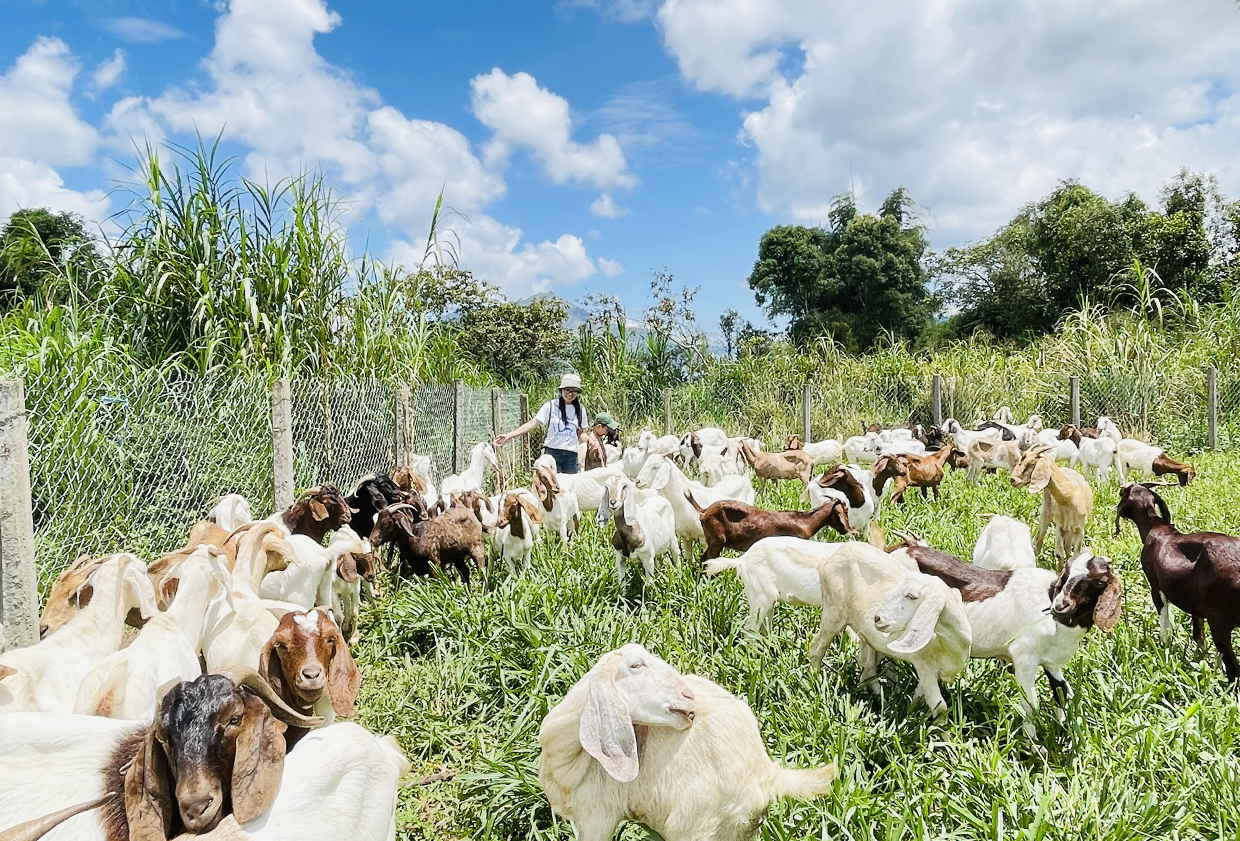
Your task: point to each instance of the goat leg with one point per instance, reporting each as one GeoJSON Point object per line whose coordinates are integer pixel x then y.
{"type": "Point", "coordinates": [1222, 641]}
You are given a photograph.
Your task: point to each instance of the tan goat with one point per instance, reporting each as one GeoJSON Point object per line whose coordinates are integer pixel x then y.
{"type": "Point", "coordinates": [1067, 499]}
{"type": "Point", "coordinates": [790, 464]}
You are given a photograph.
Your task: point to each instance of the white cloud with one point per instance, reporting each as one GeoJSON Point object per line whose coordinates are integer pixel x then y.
{"type": "Point", "coordinates": [976, 108]}
{"type": "Point", "coordinates": [142, 30]}
{"type": "Point", "coordinates": [523, 115]}
{"type": "Point", "coordinates": [625, 11]}
{"type": "Point", "coordinates": [109, 71]}
{"type": "Point", "coordinates": [269, 89]}
{"type": "Point", "coordinates": [606, 207]}
{"type": "Point", "coordinates": [41, 130]}
{"type": "Point", "coordinates": [610, 268]}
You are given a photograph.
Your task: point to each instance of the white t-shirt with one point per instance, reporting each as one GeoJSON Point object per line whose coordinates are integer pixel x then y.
{"type": "Point", "coordinates": [561, 435]}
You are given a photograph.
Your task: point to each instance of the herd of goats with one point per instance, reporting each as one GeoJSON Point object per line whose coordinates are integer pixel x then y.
{"type": "Point", "coordinates": [221, 716]}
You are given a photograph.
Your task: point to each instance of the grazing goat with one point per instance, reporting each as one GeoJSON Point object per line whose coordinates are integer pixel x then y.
{"type": "Point", "coordinates": [561, 512]}
{"type": "Point", "coordinates": [1004, 544]}
{"type": "Point", "coordinates": [910, 471]}
{"type": "Point", "coordinates": [1067, 500]}
{"type": "Point", "coordinates": [1097, 455]}
{"type": "Point", "coordinates": [791, 464]}
{"type": "Point", "coordinates": [1197, 572]}
{"type": "Point", "coordinates": [989, 453]}
{"type": "Point", "coordinates": [1032, 618]}
{"type": "Point", "coordinates": [895, 612]}
{"type": "Point", "coordinates": [663, 476]}
{"type": "Point", "coordinates": [645, 528]}
{"type": "Point", "coordinates": [1137, 458]}
{"type": "Point", "coordinates": [472, 477]}
{"type": "Point", "coordinates": [853, 485]}
{"type": "Point", "coordinates": [125, 683]}
{"type": "Point", "coordinates": [46, 675]}
{"type": "Point", "coordinates": [426, 547]}
{"type": "Point", "coordinates": [308, 664]}
{"type": "Point", "coordinates": [636, 740]}
{"type": "Point", "coordinates": [215, 747]}
{"type": "Point", "coordinates": [732, 524]}
{"type": "Point", "coordinates": [777, 569]}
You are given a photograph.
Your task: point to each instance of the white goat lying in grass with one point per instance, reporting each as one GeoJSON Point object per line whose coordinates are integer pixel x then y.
{"type": "Point", "coordinates": [698, 770]}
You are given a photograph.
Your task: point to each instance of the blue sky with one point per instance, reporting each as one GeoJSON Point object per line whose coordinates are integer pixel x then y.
{"type": "Point", "coordinates": [588, 141]}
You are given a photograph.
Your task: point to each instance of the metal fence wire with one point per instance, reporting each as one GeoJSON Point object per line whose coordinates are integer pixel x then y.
{"type": "Point", "coordinates": [432, 425]}
{"type": "Point", "coordinates": [342, 430]}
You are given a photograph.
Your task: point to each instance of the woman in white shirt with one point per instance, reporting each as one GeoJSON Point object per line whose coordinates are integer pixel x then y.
{"type": "Point", "coordinates": [565, 422]}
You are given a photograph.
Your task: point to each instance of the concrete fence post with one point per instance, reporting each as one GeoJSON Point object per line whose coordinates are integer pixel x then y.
{"type": "Point", "coordinates": [1074, 399]}
{"type": "Point", "coordinates": [283, 490]}
{"type": "Point", "coordinates": [525, 416]}
{"type": "Point", "coordinates": [1212, 407]}
{"type": "Point", "coordinates": [807, 407]}
{"type": "Point", "coordinates": [458, 427]}
{"type": "Point", "coordinates": [667, 411]}
{"type": "Point", "coordinates": [505, 456]}
{"type": "Point", "coordinates": [936, 399]}
{"type": "Point", "coordinates": [404, 425]}
{"type": "Point", "coordinates": [19, 583]}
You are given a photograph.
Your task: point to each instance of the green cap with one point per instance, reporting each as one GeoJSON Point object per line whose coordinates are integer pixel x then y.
{"type": "Point", "coordinates": [606, 420]}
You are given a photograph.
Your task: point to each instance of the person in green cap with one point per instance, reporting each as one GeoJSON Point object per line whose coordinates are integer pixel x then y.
{"type": "Point", "coordinates": [606, 428]}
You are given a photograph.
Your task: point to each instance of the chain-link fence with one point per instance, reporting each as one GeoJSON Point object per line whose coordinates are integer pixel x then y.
{"type": "Point", "coordinates": [342, 430]}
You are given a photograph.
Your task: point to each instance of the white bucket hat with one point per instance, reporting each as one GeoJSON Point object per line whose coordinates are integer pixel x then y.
{"type": "Point", "coordinates": [570, 381]}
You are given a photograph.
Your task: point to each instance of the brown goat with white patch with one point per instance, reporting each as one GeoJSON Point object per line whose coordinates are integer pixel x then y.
{"type": "Point", "coordinates": [316, 512]}
{"type": "Point", "coordinates": [308, 664]}
{"type": "Point", "coordinates": [732, 524]}
{"type": "Point", "coordinates": [910, 471]}
{"type": "Point", "coordinates": [790, 464]}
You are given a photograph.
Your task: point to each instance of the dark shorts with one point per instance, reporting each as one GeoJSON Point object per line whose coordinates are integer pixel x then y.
{"type": "Point", "coordinates": [565, 460]}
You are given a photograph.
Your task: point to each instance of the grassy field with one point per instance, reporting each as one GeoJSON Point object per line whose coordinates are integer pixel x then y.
{"type": "Point", "coordinates": [463, 678]}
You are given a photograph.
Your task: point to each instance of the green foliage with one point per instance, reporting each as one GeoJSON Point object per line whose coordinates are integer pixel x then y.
{"type": "Point", "coordinates": [518, 342]}
{"type": "Point", "coordinates": [39, 250]}
{"type": "Point", "coordinates": [860, 281]}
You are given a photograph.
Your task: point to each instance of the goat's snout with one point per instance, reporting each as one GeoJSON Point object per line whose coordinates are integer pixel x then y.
{"type": "Point", "coordinates": [312, 675]}
{"type": "Point", "coordinates": [200, 806]}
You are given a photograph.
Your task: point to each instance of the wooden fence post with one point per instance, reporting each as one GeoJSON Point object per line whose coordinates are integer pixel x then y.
{"type": "Point", "coordinates": [496, 429]}
{"type": "Point", "coordinates": [936, 399]}
{"type": "Point", "coordinates": [1212, 407]}
{"type": "Point", "coordinates": [667, 411]}
{"type": "Point", "coordinates": [283, 490]}
{"type": "Point", "coordinates": [807, 405]}
{"type": "Point", "coordinates": [458, 427]}
{"type": "Point", "coordinates": [403, 424]}
{"type": "Point", "coordinates": [19, 585]}
{"type": "Point", "coordinates": [525, 416]}
{"type": "Point", "coordinates": [1074, 399]}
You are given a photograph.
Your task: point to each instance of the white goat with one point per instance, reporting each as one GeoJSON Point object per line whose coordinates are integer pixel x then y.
{"type": "Point", "coordinates": [902, 446]}
{"type": "Point", "coordinates": [1064, 450]}
{"type": "Point", "coordinates": [589, 486]}
{"type": "Point", "coordinates": [863, 449]}
{"type": "Point", "coordinates": [632, 460]}
{"type": "Point", "coordinates": [770, 571]}
{"type": "Point", "coordinates": [516, 529]}
{"type": "Point", "coordinates": [46, 675]}
{"type": "Point", "coordinates": [865, 589]}
{"type": "Point", "coordinates": [645, 528]}
{"type": "Point", "coordinates": [960, 437]}
{"type": "Point", "coordinates": [1004, 544]}
{"type": "Point", "coordinates": [663, 476]}
{"type": "Point", "coordinates": [855, 487]}
{"type": "Point", "coordinates": [715, 466]}
{"type": "Point", "coordinates": [230, 511]}
{"type": "Point", "coordinates": [561, 511]}
{"type": "Point", "coordinates": [1098, 456]}
{"type": "Point", "coordinates": [125, 684]}
{"type": "Point", "coordinates": [472, 477]}
{"type": "Point", "coordinates": [826, 451]}
{"type": "Point", "coordinates": [307, 580]}
{"type": "Point", "coordinates": [658, 445]}
{"type": "Point", "coordinates": [1107, 429]}
{"type": "Point", "coordinates": [702, 770]}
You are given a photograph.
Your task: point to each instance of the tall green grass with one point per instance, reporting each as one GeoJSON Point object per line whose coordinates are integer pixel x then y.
{"type": "Point", "coordinates": [464, 677]}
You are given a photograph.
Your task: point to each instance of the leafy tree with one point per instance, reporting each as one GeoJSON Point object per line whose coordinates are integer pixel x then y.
{"type": "Point", "coordinates": [518, 342]}
{"type": "Point", "coordinates": [729, 323]}
{"type": "Point", "coordinates": [37, 249]}
{"type": "Point", "coordinates": [860, 279]}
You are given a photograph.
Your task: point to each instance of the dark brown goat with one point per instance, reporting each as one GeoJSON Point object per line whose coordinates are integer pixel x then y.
{"type": "Point", "coordinates": [425, 547]}
{"type": "Point", "coordinates": [307, 661]}
{"type": "Point", "coordinates": [317, 511]}
{"type": "Point", "coordinates": [910, 471]}
{"type": "Point", "coordinates": [837, 478]}
{"type": "Point", "coordinates": [1184, 472]}
{"type": "Point", "coordinates": [731, 524]}
{"type": "Point", "coordinates": [976, 584]}
{"type": "Point", "coordinates": [1198, 572]}
{"type": "Point", "coordinates": [1076, 433]}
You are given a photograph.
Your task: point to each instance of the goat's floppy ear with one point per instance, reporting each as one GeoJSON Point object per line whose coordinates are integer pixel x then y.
{"type": "Point", "coordinates": [148, 792]}
{"type": "Point", "coordinates": [139, 589]}
{"type": "Point", "coordinates": [318, 510]}
{"type": "Point", "coordinates": [343, 679]}
{"type": "Point", "coordinates": [606, 731]}
{"type": "Point", "coordinates": [259, 762]}
{"type": "Point", "coordinates": [920, 628]}
{"type": "Point", "coordinates": [1041, 476]}
{"type": "Point", "coordinates": [270, 667]}
{"type": "Point", "coordinates": [5, 671]}
{"type": "Point", "coordinates": [532, 510]}
{"type": "Point", "coordinates": [630, 505]}
{"type": "Point", "coordinates": [346, 568]}
{"type": "Point", "coordinates": [1107, 610]}
{"type": "Point", "coordinates": [661, 476]}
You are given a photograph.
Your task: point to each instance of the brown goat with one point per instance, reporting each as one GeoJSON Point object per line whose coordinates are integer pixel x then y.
{"type": "Point", "coordinates": [910, 471]}
{"type": "Point", "coordinates": [1184, 472]}
{"type": "Point", "coordinates": [308, 664]}
{"type": "Point", "coordinates": [790, 464]}
{"type": "Point", "coordinates": [316, 512]}
{"type": "Point", "coordinates": [793, 442]}
{"type": "Point", "coordinates": [1075, 433]}
{"type": "Point", "coordinates": [426, 547]}
{"type": "Point", "coordinates": [732, 524]}
{"type": "Point", "coordinates": [1197, 572]}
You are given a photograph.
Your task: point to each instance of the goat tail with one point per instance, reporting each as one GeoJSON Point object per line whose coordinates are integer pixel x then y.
{"type": "Point", "coordinates": [802, 783]}
{"type": "Point", "coordinates": [694, 502]}
{"type": "Point", "coordinates": [718, 565]}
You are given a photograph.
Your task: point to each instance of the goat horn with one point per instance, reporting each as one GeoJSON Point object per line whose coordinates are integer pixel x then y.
{"type": "Point", "coordinates": [35, 829]}
{"type": "Point", "coordinates": [244, 676]}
